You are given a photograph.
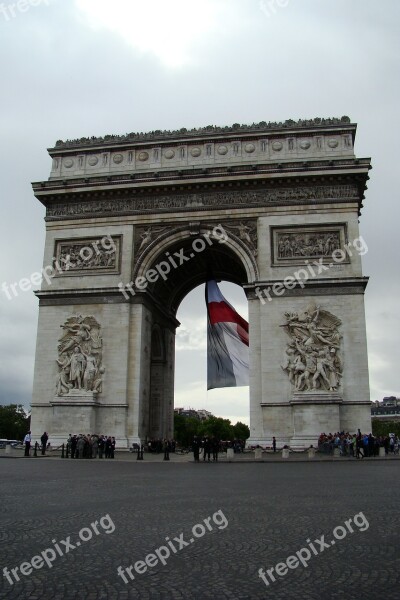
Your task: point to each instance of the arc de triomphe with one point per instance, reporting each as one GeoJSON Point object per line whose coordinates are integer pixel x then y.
{"type": "Point", "coordinates": [132, 225]}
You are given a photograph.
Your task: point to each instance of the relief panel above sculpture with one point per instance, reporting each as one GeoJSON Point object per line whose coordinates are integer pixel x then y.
{"type": "Point", "coordinates": [296, 245]}
{"type": "Point", "coordinates": [88, 256]}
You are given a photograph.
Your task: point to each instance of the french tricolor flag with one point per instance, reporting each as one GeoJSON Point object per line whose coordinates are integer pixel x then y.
{"type": "Point", "coordinates": [227, 342]}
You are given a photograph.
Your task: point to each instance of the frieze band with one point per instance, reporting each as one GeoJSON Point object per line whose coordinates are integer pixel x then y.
{"type": "Point", "coordinates": [201, 201]}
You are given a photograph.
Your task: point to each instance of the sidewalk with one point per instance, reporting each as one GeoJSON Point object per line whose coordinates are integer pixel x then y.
{"type": "Point", "coordinates": [246, 457]}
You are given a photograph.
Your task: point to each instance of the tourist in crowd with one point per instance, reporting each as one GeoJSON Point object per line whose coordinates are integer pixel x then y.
{"type": "Point", "coordinates": [107, 452]}
{"type": "Point", "coordinates": [80, 446]}
{"type": "Point", "coordinates": [95, 446]}
{"type": "Point", "coordinates": [101, 446]}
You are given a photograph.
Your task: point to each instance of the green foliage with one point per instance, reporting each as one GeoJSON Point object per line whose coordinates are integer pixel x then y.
{"type": "Point", "coordinates": [385, 427]}
{"type": "Point", "coordinates": [186, 428]}
{"type": "Point", "coordinates": [217, 427]}
{"type": "Point", "coordinates": [242, 431]}
{"type": "Point", "coordinates": [13, 422]}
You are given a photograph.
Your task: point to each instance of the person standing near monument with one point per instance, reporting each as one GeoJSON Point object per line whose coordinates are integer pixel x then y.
{"type": "Point", "coordinates": [196, 449]}
{"type": "Point", "coordinates": [107, 448]}
{"type": "Point", "coordinates": [274, 444]}
{"type": "Point", "coordinates": [215, 448]}
{"type": "Point", "coordinates": [166, 449]}
{"type": "Point", "coordinates": [112, 447]}
{"type": "Point", "coordinates": [206, 449]}
{"type": "Point", "coordinates": [44, 439]}
{"type": "Point", "coordinates": [80, 446]}
{"type": "Point", "coordinates": [27, 442]}
{"type": "Point", "coordinates": [74, 441]}
{"type": "Point", "coordinates": [95, 445]}
{"type": "Point", "coordinates": [359, 441]}
{"type": "Point", "coordinates": [101, 446]}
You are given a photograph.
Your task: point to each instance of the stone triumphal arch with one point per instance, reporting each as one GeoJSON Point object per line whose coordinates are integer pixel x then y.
{"type": "Point", "coordinates": [135, 222]}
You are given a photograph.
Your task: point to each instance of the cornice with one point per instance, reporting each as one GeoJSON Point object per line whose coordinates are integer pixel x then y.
{"type": "Point", "coordinates": [210, 131]}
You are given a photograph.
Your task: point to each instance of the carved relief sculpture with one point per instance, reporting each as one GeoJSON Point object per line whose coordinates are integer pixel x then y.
{"type": "Point", "coordinates": [90, 255]}
{"type": "Point", "coordinates": [80, 356]}
{"type": "Point", "coordinates": [307, 245]}
{"type": "Point", "coordinates": [247, 233]}
{"type": "Point", "coordinates": [146, 235]}
{"type": "Point", "coordinates": [313, 360]}
{"type": "Point", "coordinates": [61, 210]}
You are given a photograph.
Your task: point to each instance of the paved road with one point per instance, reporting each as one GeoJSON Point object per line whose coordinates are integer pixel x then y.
{"type": "Point", "coordinates": [256, 516]}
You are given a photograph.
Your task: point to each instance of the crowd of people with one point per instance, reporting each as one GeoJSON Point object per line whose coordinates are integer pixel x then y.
{"type": "Point", "coordinates": [158, 445]}
{"type": "Point", "coordinates": [211, 445]}
{"type": "Point", "coordinates": [90, 446]}
{"type": "Point", "coordinates": [358, 444]}
{"type": "Point", "coordinates": [206, 446]}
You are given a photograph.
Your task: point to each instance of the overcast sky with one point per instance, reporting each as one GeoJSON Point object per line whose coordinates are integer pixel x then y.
{"type": "Point", "coordinates": [77, 68]}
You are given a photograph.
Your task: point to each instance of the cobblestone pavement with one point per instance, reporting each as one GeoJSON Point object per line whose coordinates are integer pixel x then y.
{"type": "Point", "coordinates": [271, 509]}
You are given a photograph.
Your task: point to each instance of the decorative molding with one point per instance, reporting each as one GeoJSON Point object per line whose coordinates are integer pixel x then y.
{"type": "Point", "coordinates": [316, 397]}
{"type": "Point", "coordinates": [201, 201]}
{"type": "Point", "coordinates": [329, 286]}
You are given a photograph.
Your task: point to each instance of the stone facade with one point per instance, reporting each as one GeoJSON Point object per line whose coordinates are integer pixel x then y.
{"type": "Point", "coordinates": [287, 198]}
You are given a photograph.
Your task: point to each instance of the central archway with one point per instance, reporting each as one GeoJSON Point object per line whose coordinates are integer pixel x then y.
{"type": "Point", "coordinates": [168, 270]}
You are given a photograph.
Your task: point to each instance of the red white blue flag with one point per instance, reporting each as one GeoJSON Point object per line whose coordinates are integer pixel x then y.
{"type": "Point", "coordinates": [227, 342]}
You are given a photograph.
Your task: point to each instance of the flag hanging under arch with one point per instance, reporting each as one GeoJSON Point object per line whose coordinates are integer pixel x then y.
{"type": "Point", "coordinates": [227, 342]}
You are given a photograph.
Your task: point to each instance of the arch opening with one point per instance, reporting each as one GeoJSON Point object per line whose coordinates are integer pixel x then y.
{"type": "Point", "coordinates": [178, 268]}
{"type": "Point", "coordinates": [177, 265]}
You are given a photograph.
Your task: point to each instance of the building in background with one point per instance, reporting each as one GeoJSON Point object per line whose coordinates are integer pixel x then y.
{"type": "Point", "coordinates": [200, 414]}
{"type": "Point", "coordinates": [387, 410]}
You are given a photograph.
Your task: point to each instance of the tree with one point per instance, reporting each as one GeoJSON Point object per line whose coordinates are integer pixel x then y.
{"type": "Point", "coordinates": [241, 431]}
{"type": "Point", "coordinates": [13, 422]}
{"type": "Point", "coordinates": [185, 428]}
{"type": "Point", "coordinates": [217, 427]}
{"type": "Point", "coordinates": [385, 427]}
